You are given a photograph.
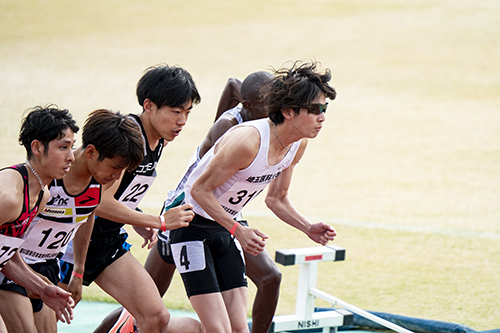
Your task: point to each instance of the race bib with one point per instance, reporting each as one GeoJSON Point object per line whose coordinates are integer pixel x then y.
{"type": "Point", "coordinates": [46, 239]}
{"type": "Point", "coordinates": [8, 247]}
{"type": "Point", "coordinates": [135, 191]}
{"type": "Point", "coordinates": [189, 256]}
{"type": "Point", "coordinates": [233, 202]}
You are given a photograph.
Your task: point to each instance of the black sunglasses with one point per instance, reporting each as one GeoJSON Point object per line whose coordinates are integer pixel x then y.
{"type": "Point", "coordinates": [316, 108]}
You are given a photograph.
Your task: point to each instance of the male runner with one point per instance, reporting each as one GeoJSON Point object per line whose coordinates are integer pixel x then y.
{"type": "Point", "coordinates": [234, 171]}
{"type": "Point", "coordinates": [47, 134]}
{"type": "Point", "coordinates": [261, 269]}
{"type": "Point", "coordinates": [167, 95]}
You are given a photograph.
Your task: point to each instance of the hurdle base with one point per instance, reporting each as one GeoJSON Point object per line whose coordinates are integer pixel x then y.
{"type": "Point", "coordinates": [319, 320]}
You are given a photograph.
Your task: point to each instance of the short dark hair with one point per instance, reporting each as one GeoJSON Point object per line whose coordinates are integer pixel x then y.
{"type": "Point", "coordinates": [113, 134]}
{"type": "Point", "coordinates": [45, 123]}
{"type": "Point", "coordinates": [251, 87]}
{"type": "Point", "coordinates": [296, 87]}
{"type": "Point", "coordinates": [167, 85]}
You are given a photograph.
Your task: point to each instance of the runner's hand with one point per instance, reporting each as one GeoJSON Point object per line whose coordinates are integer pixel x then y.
{"type": "Point", "coordinates": [148, 234]}
{"type": "Point", "coordinates": [178, 217]}
{"type": "Point", "coordinates": [252, 241]}
{"type": "Point", "coordinates": [60, 301]}
{"type": "Point", "coordinates": [321, 233]}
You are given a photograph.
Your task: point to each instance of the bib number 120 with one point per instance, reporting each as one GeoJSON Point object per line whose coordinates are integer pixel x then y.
{"type": "Point", "coordinates": [62, 238]}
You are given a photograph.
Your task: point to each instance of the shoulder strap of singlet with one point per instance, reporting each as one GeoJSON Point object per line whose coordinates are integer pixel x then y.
{"type": "Point", "coordinates": [137, 120]}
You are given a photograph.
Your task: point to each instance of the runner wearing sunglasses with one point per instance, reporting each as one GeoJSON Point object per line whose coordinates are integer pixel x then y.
{"type": "Point", "coordinates": [245, 160]}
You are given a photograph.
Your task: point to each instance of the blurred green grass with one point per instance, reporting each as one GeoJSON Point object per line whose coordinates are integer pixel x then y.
{"type": "Point", "coordinates": [406, 167]}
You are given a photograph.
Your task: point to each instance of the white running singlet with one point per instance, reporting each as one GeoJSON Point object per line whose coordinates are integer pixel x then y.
{"type": "Point", "coordinates": [246, 184]}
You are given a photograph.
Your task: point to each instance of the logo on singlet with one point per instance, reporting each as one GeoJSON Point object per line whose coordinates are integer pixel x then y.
{"type": "Point", "coordinates": [58, 201]}
{"type": "Point", "coordinates": [54, 211]}
{"type": "Point", "coordinates": [263, 178]}
{"type": "Point", "coordinates": [84, 201]}
{"type": "Point", "coordinates": [145, 168]}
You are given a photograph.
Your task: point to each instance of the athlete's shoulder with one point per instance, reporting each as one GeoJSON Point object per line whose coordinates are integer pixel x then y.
{"type": "Point", "coordinates": [12, 180]}
{"type": "Point", "coordinates": [240, 143]}
{"type": "Point", "coordinates": [244, 132]}
{"type": "Point", "coordinates": [11, 194]}
{"type": "Point", "coordinates": [221, 126]}
{"type": "Point", "coordinates": [252, 128]}
{"type": "Point", "coordinates": [301, 148]}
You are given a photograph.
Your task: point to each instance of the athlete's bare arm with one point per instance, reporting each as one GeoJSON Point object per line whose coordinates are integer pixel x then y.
{"type": "Point", "coordinates": [54, 297]}
{"type": "Point", "coordinates": [112, 209]}
{"type": "Point", "coordinates": [230, 97]}
{"type": "Point", "coordinates": [80, 247]}
{"type": "Point", "coordinates": [278, 201]}
{"type": "Point", "coordinates": [235, 152]}
{"type": "Point", "coordinates": [216, 131]}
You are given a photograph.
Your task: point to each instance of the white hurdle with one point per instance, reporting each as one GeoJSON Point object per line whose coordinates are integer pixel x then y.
{"type": "Point", "coordinates": [305, 317]}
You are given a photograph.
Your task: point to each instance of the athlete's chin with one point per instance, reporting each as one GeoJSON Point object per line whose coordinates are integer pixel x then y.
{"type": "Point", "coordinates": [314, 134]}
{"type": "Point", "coordinates": [61, 174]}
{"type": "Point", "coordinates": [106, 181]}
{"type": "Point", "coordinates": [171, 136]}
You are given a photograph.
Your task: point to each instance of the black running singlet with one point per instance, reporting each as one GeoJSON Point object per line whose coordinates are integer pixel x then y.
{"type": "Point", "coordinates": [134, 185]}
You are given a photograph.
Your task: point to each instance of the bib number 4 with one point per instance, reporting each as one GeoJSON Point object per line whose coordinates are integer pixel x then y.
{"type": "Point", "coordinates": [189, 256]}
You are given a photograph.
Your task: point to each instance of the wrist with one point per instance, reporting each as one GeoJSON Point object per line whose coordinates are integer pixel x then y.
{"type": "Point", "coordinates": [163, 226]}
{"type": "Point", "coordinates": [78, 275]}
{"type": "Point", "coordinates": [233, 228]}
{"type": "Point", "coordinates": [307, 227]}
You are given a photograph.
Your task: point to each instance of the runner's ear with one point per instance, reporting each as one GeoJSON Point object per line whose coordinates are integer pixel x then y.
{"type": "Point", "coordinates": [287, 113]}
{"type": "Point", "coordinates": [90, 151]}
{"type": "Point", "coordinates": [36, 147]}
{"type": "Point", "coordinates": [149, 105]}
